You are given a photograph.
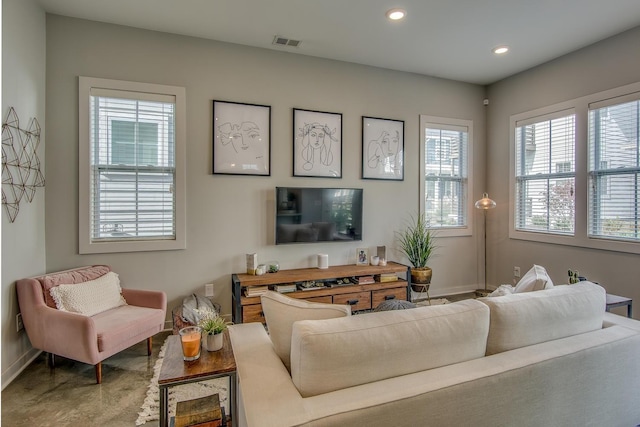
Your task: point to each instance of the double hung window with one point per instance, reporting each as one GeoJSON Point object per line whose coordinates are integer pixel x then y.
{"type": "Point", "coordinates": [545, 174]}
{"type": "Point", "coordinates": [614, 168]}
{"type": "Point", "coordinates": [445, 183]}
{"type": "Point", "coordinates": [131, 147]}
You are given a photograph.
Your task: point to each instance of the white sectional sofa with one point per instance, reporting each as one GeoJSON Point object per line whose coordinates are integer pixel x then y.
{"type": "Point", "coordinates": [544, 358]}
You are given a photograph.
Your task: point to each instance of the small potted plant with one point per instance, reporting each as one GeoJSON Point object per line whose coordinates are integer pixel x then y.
{"type": "Point", "coordinates": [213, 325]}
{"type": "Point", "coordinates": [417, 243]}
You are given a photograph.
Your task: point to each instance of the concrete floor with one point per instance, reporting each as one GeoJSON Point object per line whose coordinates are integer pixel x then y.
{"type": "Point", "coordinates": [69, 396]}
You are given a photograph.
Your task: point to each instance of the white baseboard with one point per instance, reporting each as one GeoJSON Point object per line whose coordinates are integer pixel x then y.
{"type": "Point", "coordinates": [18, 366]}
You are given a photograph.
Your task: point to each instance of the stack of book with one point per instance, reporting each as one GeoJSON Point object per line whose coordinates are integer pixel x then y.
{"type": "Point", "coordinates": [386, 277]}
{"type": "Point", "coordinates": [290, 287]}
{"type": "Point", "coordinates": [365, 280]}
{"type": "Point", "coordinates": [202, 412]}
{"type": "Point", "coordinates": [255, 291]}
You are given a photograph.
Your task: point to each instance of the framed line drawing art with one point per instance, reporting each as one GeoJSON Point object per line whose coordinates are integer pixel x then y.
{"type": "Point", "coordinates": [362, 256]}
{"type": "Point", "coordinates": [241, 138]}
{"type": "Point", "coordinates": [317, 144]}
{"type": "Point", "coordinates": [382, 149]}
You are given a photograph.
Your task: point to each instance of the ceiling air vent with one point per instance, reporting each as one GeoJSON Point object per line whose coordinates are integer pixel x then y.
{"type": "Point", "coordinates": [283, 41]}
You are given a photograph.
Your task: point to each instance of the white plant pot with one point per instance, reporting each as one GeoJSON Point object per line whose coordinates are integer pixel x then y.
{"type": "Point", "coordinates": [213, 342]}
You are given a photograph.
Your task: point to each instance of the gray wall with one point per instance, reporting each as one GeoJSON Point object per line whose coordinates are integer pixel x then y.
{"type": "Point", "coordinates": [229, 216]}
{"type": "Point", "coordinates": [609, 64]}
{"type": "Point", "coordinates": [23, 247]}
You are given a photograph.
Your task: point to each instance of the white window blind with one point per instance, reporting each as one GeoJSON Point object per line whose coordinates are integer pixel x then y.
{"type": "Point", "coordinates": [445, 175]}
{"type": "Point", "coordinates": [614, 169]}
{"type": "Point", "coordinates": [545, 174]}
{"type": "Point", "coordinates": [132, 151]}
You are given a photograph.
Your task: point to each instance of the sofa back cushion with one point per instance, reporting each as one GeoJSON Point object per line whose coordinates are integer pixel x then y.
{"type": "Point", "coordinates": [524, 319]}
{"type": "Point", "coordinates": [69, 277]}
{"type": "Point", "coordinates": [281, 311]}
{"type": "Point", "coordinates": [328, 355]}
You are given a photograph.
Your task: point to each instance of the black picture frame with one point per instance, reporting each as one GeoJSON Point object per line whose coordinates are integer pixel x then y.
{"type": "Point", "coordinates": [317, 143]}
{"type": "Point", "coordinates": [382, 149]}
{"type": "Point", "coordinates": [241, 138]}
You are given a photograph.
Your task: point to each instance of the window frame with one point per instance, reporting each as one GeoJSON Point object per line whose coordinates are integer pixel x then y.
{"type": "Point", "coordinates": [580, 238]}
{"type": "Point", "coordinates": [448, 123]}
{"type": "Point", "coordinates": [607, 173]}
{"type": "Point", "coordinates": [86, 245]}
{"type": "Point", "coordinates": [550, 175]}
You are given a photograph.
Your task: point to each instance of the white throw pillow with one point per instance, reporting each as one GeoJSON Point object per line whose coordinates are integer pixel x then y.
{"type": "Point", "coordinates": [536, 279]}
{"type": "Point", "coordinates": [89, 298]}
{"type": "Point", "coordinates": [502, 290]}
{"type": "Point", "coordinates": [281, 311]}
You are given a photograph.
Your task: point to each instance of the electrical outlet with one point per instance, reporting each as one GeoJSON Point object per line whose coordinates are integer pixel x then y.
{"type": "Point", "coordinates": [516, 271]}
{"type": "Point", "coordinates": [19, 324]}
{"type": "Point", "coordinates": [208, 290]}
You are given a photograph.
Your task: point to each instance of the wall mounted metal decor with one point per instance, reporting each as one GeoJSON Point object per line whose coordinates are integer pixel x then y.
{"type": "Point", "coordinates": [21, 173]}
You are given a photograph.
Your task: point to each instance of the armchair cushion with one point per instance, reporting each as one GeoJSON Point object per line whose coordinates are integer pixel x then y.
{"type": "Point", "coordinates": [69, 277]}
{"type": "Point", "coordinates": [125, 326]}
{"type": "Point", "coordinates": [89, 298]}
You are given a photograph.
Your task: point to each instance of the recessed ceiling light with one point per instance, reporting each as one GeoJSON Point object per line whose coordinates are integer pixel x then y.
{"type": "Point", "coordinates": [500, 50]}
{"type": "Point", "coordinates": [396, 14]}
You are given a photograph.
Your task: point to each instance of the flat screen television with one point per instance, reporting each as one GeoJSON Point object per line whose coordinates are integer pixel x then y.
{"type": "Point", "coordinates": [308, 215]}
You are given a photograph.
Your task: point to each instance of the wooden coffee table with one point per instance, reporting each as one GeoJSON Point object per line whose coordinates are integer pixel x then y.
{"type": "Point", "coordinates": [211, 364]}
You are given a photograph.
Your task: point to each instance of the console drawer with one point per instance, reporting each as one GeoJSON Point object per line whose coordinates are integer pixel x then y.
{"type": "Point", "coordinates": [326, 299]}
{"type": "Point", "coordinates": [385, 294]}
{"type": "Point", "coordinates": [357, 300]}
{"type": "Point", "coordinates": [252, 313]}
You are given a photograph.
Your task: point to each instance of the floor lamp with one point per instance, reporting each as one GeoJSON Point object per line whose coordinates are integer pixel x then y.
{"type": "Point", "coordinates": [485, 204]}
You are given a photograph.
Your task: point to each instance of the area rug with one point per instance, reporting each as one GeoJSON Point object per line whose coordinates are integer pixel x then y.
{"type": "Point", "coordinates": [150, 409]}
{"type": "Point", "coordinates": [434, 301]}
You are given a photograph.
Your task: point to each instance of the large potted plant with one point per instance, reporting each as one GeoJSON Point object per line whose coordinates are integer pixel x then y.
{"type": "Point", "coordinates": [417, 243]}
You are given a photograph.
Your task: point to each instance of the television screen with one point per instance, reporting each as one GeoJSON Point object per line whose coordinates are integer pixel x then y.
{"type": "Point", "coordinates": [307, 215]}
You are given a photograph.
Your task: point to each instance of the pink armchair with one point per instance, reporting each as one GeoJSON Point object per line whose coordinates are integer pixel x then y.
{"type": "Point", "coordinates": [87, 339]}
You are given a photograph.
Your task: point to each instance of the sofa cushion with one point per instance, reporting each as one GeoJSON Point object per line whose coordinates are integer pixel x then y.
{"type": "Point", "coordinates": [328, 355]}
{"type": "Point", "coordinates": [524, 319]}
{"type": "Point", "coordinates": [89, 298]}
{"type": "Point", "coordinates": [69, 277]}
{"type": "Point", "coordinates": [281, 311]}
{"type": "Point", "coordinates": [536, 279]}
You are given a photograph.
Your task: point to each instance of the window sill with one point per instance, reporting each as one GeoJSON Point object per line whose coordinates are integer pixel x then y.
{"type": "Point", "coordinates": [577, 241]}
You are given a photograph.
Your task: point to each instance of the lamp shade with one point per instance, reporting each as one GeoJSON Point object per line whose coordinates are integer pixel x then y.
{"type": "Point", "coordinates": [485, 202]}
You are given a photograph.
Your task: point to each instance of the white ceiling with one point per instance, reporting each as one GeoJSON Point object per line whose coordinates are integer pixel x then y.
{"type": "Point", "coordinates": [443, 38]}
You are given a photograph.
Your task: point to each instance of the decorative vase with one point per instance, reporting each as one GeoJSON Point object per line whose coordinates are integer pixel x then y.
{"type": "Point", "coordinates": [214, 342]}
{"type": "Point", "coordinates": [420, 278]}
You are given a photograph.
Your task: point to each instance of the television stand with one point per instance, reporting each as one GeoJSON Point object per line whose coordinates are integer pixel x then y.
{"type": "Point", "coordinates": [360, 296]}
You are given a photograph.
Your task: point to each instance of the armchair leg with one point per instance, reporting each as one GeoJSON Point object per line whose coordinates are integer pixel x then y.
{"type": "Point", "coordinates": [51, 360]}
{"type": "Point", "coordinates": [98, 373]}
{"type": "Point", "coordinates": [149, 345]}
